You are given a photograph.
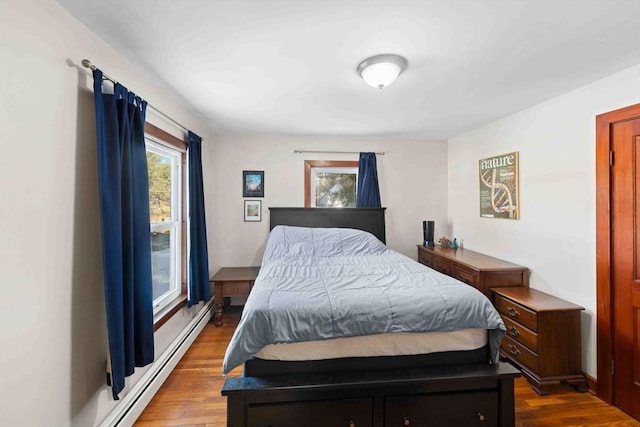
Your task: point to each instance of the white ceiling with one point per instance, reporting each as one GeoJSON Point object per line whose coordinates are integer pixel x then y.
{"type": "Point", "coordinates": [288, 67]}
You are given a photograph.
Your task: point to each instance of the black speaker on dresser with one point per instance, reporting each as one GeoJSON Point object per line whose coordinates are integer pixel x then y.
{"type": "Point", "coordinates": [427, 231]}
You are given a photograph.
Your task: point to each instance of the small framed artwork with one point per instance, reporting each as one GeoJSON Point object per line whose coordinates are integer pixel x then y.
{"type": "Point", "coordinates": [252, 210]}
{"type": "Point", "coordinates": [252, 183]}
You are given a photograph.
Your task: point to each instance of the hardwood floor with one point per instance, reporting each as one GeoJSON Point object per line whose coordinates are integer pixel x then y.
{"type": "Point", "coordinates": [191, 397]}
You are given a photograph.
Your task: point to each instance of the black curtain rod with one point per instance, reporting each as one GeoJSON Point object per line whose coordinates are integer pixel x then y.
{"type": "Point", "coordinates": [87, 64]}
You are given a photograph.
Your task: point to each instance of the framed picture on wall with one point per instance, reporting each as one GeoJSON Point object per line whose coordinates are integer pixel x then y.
{"type": "Point", "coordinates": [252, 183]}
{"type": "Point", "coordinates": [252, 210]}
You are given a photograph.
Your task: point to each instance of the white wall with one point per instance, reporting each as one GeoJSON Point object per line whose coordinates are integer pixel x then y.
{"type": "Point", "coordinates": [555, 236]}
{"type": "Point", "coordinates": [52, 320]}
{"type": "Point", "coordinates": [413, 181]}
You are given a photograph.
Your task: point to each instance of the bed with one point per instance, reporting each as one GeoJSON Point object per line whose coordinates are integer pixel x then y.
{"type": "Point", "coordinates": [337, 287]}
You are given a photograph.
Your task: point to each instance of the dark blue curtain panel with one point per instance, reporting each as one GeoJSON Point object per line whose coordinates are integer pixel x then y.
{"type": "Point", "coordinates": [368, 189]}
{"type": "Point", "coordinates": [199, 287]}
{"type": "Point", "coordinates": [126, 241]}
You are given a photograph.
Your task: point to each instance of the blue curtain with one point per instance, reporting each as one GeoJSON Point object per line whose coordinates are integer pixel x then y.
{"type": "Point", "coordinates": [368, 190]}
{"type": "Point", "coordinates": [199, 288]}
{"type": "Point", "coordinates": [126, 241]}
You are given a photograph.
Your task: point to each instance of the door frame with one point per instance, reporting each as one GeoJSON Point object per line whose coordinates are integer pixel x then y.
{"type": "Point", "coordinates": [604, 294]}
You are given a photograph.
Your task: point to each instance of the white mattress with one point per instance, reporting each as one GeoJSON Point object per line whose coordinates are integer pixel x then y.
{"type": "Point", "coordinates": [388, 344]}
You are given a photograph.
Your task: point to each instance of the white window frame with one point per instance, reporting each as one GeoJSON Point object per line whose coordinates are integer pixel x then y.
{"type": "Point", "coordinates": [174, 223]}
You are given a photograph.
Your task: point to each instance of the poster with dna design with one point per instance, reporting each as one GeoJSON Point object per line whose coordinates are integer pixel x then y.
{"type": "Point", "coordinates": [499, 194]}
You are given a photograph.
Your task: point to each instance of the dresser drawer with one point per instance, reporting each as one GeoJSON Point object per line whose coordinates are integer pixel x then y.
{"type": "Point", "coordinates": [312, 414]}
{"type": "Point", "coordinates": [465, 275]}
{"type": "Point", "coordinates": [444, 410]}
{"type": "Point", "coordinates": [443, 266]}
{"type": "Point", "coordinates": [425, 258]}
{"type": "Point", "coordinates": [516, 312]}
{"type": "Point", "coordinates": [521, 334]}
{"type": "Point", "coordinates": [520, 353]}
{"type": "Point", "coordinates": [231, 289]}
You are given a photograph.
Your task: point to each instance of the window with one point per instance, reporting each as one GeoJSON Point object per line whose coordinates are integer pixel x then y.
{"type": "Point", "coordinates": [330, 183]}
{"type": "Point", "coordinates": [167, 183]}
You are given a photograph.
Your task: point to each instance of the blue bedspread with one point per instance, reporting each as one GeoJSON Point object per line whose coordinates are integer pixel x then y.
{"type": "Point", "coordinates": [317, 284]}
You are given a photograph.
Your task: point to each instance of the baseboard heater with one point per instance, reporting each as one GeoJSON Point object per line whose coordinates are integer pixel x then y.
{"type": "Point", "coordinates": [131, 406]}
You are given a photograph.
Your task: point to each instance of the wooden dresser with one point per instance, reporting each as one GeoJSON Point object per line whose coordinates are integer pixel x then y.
{"type": "Point", "coordinates": [478, 270]}
{"type": "Point", "coordinates": [543, 337]}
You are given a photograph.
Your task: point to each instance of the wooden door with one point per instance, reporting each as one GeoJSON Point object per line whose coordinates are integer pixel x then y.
{"type": "Point", "coordinates": [625, 266]}
{"type": "Point", "coordinates": [622, 388]}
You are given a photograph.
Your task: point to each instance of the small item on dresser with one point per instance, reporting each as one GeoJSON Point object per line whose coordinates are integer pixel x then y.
{"type": "Point", "coordinates": [445, 242]}
{"type": "Point", "coordinates": [454, 244]}
{"type": "Point", "coordinates": [427, 231]}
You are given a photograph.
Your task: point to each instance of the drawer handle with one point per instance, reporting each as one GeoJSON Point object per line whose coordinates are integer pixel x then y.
{"type": "Point", "coordinates": [351, 423]}
{"type": "Point", "coordinates": [480, 416]}
{"type": "Point", "coordinates": [514, 331]}
{"type": "Point", "coordinates": [406, 421]}
{"type": "Point", "coordinates": [513, 312]}
{"type": "Point", "coordinates": [514, 350]}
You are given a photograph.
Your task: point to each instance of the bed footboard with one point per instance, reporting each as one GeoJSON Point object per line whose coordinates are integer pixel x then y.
{"type": "Point", "coordinates": [466, 395]}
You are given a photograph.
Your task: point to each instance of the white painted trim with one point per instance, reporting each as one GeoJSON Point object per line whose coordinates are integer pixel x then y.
{"type": "Point", "coordinates": [131, 406]}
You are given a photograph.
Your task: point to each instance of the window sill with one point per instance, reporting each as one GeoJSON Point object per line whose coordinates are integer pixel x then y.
{"type": "Point", "coordinates": [166, 313]}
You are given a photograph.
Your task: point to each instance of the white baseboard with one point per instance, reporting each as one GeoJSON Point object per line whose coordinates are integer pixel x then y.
{"type": "Point", "coordinates": [131, 406]}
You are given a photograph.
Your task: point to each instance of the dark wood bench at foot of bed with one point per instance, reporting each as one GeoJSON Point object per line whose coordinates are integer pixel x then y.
{"type": "Point", "coordinates": [465, 395]}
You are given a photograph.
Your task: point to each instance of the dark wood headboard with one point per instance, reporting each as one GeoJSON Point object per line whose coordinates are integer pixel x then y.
{"type": "Point", "coordinates": [367, 219]}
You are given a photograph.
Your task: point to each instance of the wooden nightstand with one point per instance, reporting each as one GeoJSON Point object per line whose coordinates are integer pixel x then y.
{"type": "Point", "coordinates": [231, 282]}
{"type": "Point", "coordinates": [543, 337]}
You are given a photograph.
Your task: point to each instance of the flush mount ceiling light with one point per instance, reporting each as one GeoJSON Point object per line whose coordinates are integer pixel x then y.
{"type": "Point", "coordinates": [381, 70]}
